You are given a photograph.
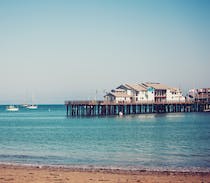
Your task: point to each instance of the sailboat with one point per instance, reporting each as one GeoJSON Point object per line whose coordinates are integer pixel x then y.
{"type": "Point", "coordinates": [206, 110]}
{"type": "Point", "coordinates": [32, 106]}
{"type": "Point", "coordinates": [12, 108]}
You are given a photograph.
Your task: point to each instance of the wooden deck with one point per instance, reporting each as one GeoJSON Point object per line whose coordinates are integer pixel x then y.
{"type": "Point", "coordinates": [105, 108]}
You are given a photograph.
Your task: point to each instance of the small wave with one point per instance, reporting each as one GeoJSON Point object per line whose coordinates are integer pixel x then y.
{"type": "Point", "coordinates": [116, 169]}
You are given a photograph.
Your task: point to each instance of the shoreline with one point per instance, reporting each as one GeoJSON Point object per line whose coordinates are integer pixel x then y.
{"type": "Point", "coordinates": [109, 169]}
{"type": "Point", "coordinates": [36, 173]}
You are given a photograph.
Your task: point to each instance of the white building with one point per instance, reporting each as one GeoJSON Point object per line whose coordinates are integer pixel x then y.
{"type": "Point", "coordinates": [157, 91]}
{"type": "Point", "coordinates": [137, 92]}
{"type": "Point", "coordinates": [118, 97]}
{"type": "Point", "coordinates": [145, 92]}
{"type": "Point", "coordinates": [164, 93]}
{"type": "Point", "coordinates": [174, 95]}
{"type": "Point", "coordinates": [199, 95]}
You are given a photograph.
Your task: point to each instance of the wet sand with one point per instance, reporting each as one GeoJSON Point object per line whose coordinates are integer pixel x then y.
{"type": "Point", "coordinates": [27, 174]}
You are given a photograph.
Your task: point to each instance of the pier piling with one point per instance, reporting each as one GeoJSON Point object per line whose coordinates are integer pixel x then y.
{"type": "Point", "coordinates": [103, 108]}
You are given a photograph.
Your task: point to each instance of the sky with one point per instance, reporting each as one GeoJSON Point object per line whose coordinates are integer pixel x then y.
{"type": "Point", "coordinates": [57, 50]}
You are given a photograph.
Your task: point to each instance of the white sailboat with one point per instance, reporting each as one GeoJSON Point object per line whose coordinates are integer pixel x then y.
{"type": "Point", "coordinates": [206, 110]}
{"type": "Point", "coordinates": [32, 106]}
{"type": "Point", "coordinates": [12, 108]}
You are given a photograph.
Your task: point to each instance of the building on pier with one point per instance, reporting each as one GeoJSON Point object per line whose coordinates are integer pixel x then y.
{"type": "Point", "coordinates": [175, 95]}
{"type": "Point", "coordinates": [137, 92]}
{"type": "Point", "coordinates": [118, 97]}
{"type": "Point", "coordinates": [142, 99]}
{"type": "Point", "coordinates": [145, 92]}
{"type": "Point", "coordinates": [200, 95]}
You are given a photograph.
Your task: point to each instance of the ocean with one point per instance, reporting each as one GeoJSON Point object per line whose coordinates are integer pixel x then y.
{"type": "Point", "coordinates": [173, 141]}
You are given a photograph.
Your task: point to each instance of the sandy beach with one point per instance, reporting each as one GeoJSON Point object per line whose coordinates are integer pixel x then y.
{"type": "Point", "coordinates": [26, 174]}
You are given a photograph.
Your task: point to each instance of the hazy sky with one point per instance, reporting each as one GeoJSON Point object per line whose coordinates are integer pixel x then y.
{"type": "Point", "coordinates": [59, 50]}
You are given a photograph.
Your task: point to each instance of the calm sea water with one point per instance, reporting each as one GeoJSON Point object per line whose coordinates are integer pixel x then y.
{"type": "Point", "coordinates": [154, 141]}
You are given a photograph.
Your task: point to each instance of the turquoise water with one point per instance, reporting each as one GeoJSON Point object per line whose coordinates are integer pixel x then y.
{"type": "Point", "coordinates": [153, 141]}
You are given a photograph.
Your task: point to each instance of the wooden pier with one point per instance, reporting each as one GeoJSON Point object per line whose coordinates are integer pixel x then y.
{"type": "Point", "coordinates": [103, 108]}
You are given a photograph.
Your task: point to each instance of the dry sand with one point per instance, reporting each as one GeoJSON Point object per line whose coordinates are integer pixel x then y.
{"type": "Point", "coordinates": [27, 174]}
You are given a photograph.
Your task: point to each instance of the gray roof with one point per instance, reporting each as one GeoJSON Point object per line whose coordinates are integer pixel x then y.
{"type": "Point", "coordinates": [137, 87]}
{"type": "Point", "coordinates": [156, 86]}
{"type": "Point", "coordinates": [123, 86]}
{"type": "Point", "coordinates": [118, 94]}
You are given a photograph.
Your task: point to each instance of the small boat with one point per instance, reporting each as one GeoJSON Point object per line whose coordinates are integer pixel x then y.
{"type": "Point", "coordinates": [31, 106]}
{"type": "Point", "coordinates": [120, 113]}
{"type": "Point", "coordinates": [24, 105]}
{"type": "Point", "coordinates": [206, 110]}
{"type": "Point", "coordinates": [12, 108]}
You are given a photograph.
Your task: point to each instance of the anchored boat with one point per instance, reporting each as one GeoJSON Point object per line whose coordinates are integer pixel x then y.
{"type": "Point", "coordinates": [32, 107]}
{"type": "Point", "coordinates": [206, 110]}
{"type": "Point", "coordinates": [12, 108]}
